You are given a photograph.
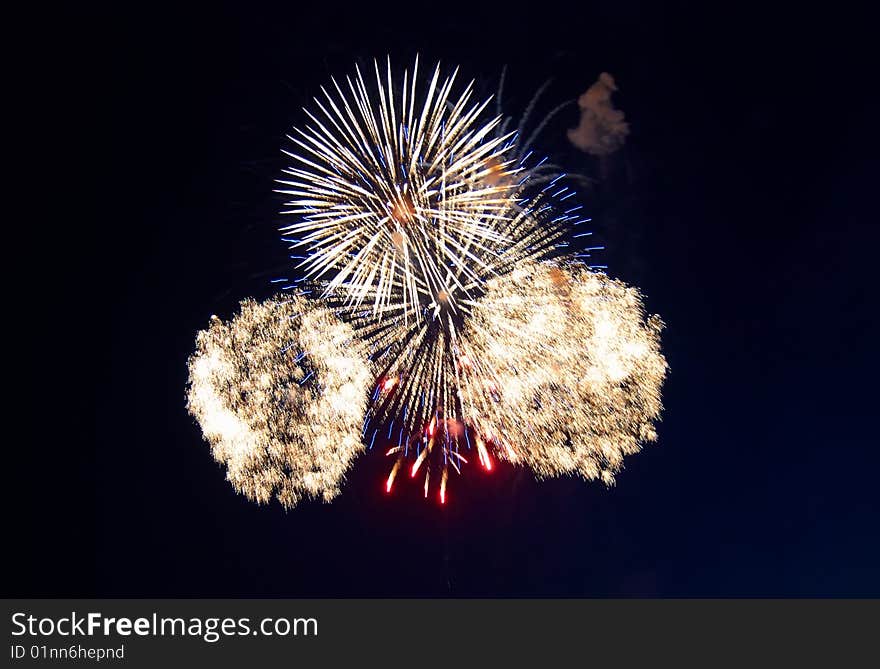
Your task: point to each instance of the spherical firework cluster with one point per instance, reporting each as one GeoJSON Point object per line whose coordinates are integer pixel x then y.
{"type": "Point", "coordinates": [444, 320]}
{"type": "Point", "coordinates": [574, 369]}
{"type": "Point", "coordinates": [280, 394]}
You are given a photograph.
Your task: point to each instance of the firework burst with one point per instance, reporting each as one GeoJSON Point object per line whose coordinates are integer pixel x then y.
{"type": "Point", "coordinates": [403, 195]}
{"type": "Point", "coordinates": [575, 369]}
{"type": "Point", "coordinates": [279, 392]}
{"type": "Point", "coordinates": [407, 202]}
{"type": "Point", "coordinates": [447, 320]}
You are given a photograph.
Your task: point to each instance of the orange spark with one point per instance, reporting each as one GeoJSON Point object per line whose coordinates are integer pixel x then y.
{"type": "Point", "coordinates": [484, 455]}
{"type": "Point", "coordinates": [495, 172]}
{"type": "Point", "coordinates": [403, 211]}
{"type": "Point", "coordinates": [398, 239]}
{"type": "Point", "coordinates": [392, 475]}
{"type": "Point", "coordinates": [421, 458]}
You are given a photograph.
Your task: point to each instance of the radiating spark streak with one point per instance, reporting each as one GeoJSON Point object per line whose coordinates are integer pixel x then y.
{"type": "Point", "coordinates": [484, 456]}
{"type": "Point", "coordinates": [420, 459]}
{"type": "Point", "coordinates": [392, 474]}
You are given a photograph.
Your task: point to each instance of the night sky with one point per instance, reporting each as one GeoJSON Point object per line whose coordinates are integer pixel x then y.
{"type": "Point", "coordinates": [743, 205]}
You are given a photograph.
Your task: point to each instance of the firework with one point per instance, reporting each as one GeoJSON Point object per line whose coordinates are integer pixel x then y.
{"type": "Point", "coordinates": [405, 196]}
{"type": "Point", "coordinates": [574, 369]}
{"type": "Point", "coordinates": [443, 322]}
{"type": "Point", "coordinates": [280, 394]}
{"type": "Point", "coordinates": [407, 201]}
{"type": "Point", "coordinates": [418, 403]}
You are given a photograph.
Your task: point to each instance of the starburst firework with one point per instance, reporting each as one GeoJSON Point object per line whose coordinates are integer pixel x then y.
{"type": "Point", "coordinates": [406, 199]}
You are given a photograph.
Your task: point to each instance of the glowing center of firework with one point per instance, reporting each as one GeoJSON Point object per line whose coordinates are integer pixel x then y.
{"type": "Point", "coordinates": [403, 211]}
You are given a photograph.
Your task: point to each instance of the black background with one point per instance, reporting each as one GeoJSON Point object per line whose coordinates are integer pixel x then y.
{"type": "Point", "coordinates": [743, 205]}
